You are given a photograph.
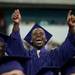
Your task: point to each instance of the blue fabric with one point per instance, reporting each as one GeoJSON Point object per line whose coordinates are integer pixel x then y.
{"type": "Point", "coordinates": [70, 70]}
{"type": "Point", "coordinates": [1, 39]}
{"type": "Point", "coordinates": [14, 46]}
{"type": "Point", "coordinates": [55, 57]}
{"type": "Point", "coordinates": [10, 66]}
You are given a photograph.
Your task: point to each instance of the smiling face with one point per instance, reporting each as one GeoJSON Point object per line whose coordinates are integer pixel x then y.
{"type": "Point", "coordinates": [38, 37]}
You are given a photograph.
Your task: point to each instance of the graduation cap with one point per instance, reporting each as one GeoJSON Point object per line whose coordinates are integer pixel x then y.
{"type": "Point", "coordinates": [49, 71]}
{"type": "Point", "coordinates": [29, 37]}
{"type": "Point", "coordinates": [10, 63]}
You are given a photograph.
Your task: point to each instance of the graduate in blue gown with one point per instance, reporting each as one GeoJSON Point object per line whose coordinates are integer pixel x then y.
{"type": "Point", "coordinates": [40, 57]}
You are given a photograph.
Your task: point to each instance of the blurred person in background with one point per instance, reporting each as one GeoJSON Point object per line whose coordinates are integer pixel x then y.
{"type": "Point", "coordinates": [11, 68]}
{"type": "Point", "coordinates": [2, 47]}
{"type": "Point", "coordinates": [7, 44]}
{"type": "Point", "coordinates": [52, 45]}
{"type": "Point", "coordinates": [27, 45]}
{"type": "Point", "coordinates": [12, 65]}
{"type": "Point", "coordinates": [3, 24]}
{"type": "Point", "coordinates": [40, 57]}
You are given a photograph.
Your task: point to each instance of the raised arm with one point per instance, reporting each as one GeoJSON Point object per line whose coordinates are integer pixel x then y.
{"type": "Point", "coordinates": [16, 18]}
{"type": "Point", "coordinates": [67, 49]}
{"type": "Point", "coordinates": [17, 48]}
{"type": "Point", "coordinates": [71, 22]}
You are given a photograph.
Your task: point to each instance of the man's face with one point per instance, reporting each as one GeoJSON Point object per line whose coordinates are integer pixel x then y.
{"type": "Point", "coordinates": [14, 72]}
{"type": "Point", "coordinates": [38, 37]}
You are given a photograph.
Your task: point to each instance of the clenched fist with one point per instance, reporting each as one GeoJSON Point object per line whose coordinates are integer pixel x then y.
{"type": "Point", "coordinates": [71, 21]}
{"type": "Point", "coordinates": [16, 17]}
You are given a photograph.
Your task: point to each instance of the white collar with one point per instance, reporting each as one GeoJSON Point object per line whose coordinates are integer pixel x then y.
{"type": "Point", "coordinates": [38, 53]}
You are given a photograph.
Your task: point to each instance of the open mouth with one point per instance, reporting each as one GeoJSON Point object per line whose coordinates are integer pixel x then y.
{"type": "Point", "coordinates": [38, 41]}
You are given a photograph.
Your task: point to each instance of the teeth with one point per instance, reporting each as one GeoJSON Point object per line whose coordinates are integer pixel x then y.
{"type": "Point", "coordinates": [38, 41]}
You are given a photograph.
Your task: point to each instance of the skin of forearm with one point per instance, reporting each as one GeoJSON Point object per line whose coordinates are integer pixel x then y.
{"type": "Point", "coordinates": [16, 27]}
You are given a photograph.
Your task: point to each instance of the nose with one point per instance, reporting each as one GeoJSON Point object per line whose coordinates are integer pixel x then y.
{"type": "Point", "coordinates": [38, 35]}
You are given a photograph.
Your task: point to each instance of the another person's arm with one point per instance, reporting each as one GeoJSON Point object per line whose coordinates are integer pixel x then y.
{"type": "Point", "coordinates": [17, 48]}
{"type": "Point", "coordinates": [16, 18]}
{"type": "Point", "coordinates": [67, 49]}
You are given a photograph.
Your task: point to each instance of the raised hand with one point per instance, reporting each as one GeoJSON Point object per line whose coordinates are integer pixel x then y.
{"type": "Point", "coordinates": [16, 17]}
{"type": "Point", "coordinates": [71, 22]}
{"type": "Point", "coordinates": [71, 19]}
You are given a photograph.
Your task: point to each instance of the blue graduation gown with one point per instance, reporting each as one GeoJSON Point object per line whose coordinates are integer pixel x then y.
{"type": "Point", "coordinates": [55, 57]}
{"type": "Point", "coordinates": [14, 47]}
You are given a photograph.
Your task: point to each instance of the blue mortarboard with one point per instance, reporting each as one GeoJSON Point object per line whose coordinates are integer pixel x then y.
{"type": "Point", "coordinates": [28, 36]}
{"type": "Point", "coordinates": [9, 63]}
{"type": "Point", "coordinates": [49, 71]}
